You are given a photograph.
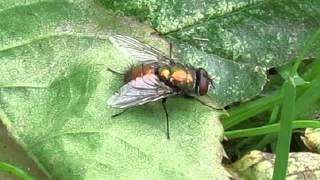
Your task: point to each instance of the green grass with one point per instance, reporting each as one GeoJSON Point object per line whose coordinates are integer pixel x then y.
{"type": "Point", "coordinates": [270, 129]}
{"type": "Point", "coordinates": [5, 167]}
{"type": "Point", "coordinates": [251, 109]}
{"type": "Point", "coordinates": [284, 134]}
{"type": "Point", "coordinates": [278, 112]}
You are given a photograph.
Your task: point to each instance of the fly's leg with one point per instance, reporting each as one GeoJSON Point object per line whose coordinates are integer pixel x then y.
{"type": "Point", "coordinates": [170, 50]}
{"type": "Point", "coordinates": [208, 105]}
{"type": "Point", "coordinates": [115, 72]}
{"type": "Point", "coordinates": [170, 54]}
{"type": "Point", "coordinates": [211, 107]}
{"type": "Point", "coordinates": [118, 114]}
{"type": "Point", "coordinates": [167, 117]}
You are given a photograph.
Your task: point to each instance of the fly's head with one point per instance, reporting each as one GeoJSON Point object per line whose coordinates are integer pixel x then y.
{"type": "Point", "coordinates": [203, 82]}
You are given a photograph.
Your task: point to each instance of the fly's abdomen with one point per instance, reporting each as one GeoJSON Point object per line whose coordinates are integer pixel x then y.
{"type": "Point", "coordinates": [179, 76]}
{"type": "Point", "coordinates": [139, 71]}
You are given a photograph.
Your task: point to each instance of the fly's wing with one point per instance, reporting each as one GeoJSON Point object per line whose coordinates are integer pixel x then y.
{"type": "Point", "coordinates": [143, 89]}
{"type": "Point", "coordinates": [138, 51]}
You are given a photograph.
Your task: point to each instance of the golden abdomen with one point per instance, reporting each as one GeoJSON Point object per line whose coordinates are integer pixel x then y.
{"type": "Point", "coordinates": [179, 76]}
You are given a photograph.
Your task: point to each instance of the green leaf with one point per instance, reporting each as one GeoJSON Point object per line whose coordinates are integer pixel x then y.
{"type": "Point", "coordinates": [231, 79]}
{"type": "Point", "coordinates": [254, 35]}
{"type": "Point", "coordinates": [54, 85]}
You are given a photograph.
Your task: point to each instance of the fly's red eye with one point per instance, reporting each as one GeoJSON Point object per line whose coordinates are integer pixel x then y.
{"type": "Point", "coordinates": [203, 86]}
{"type": "Point", "coordinates": [202, 82]}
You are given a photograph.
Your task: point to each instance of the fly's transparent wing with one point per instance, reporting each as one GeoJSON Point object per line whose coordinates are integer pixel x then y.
{"type": "Point", "coordinates": [138, 51]}
{"type": "Point", "coordinates": [143, 89]}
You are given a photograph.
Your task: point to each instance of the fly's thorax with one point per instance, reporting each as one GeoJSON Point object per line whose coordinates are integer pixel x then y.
{"type": "Point", "coordinates": [179, 76]}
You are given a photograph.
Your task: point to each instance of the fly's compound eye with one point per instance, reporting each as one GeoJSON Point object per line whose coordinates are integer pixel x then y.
{"type": "Point", "coordinates": [203, 82]}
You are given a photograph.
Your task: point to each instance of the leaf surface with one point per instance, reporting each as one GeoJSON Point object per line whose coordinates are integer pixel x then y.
{"type": "Point", "coordinates": [54, 85]}
{"type": "Point", "coordinates": [255, 35]}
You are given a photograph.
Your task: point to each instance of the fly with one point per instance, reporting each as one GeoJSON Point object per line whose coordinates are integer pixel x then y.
{"type": "Point", "coordinates": [155, 77]}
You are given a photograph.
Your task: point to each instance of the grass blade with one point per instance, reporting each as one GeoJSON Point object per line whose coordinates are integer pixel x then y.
{"type": "Point", "coordinates": [270, 129]}
{"type": "Point", "coordinates": [250, 109]}
{"type": "Point", "coordinates": [284, 135]}
{"type": "Point", "coordinates": [309, 97]}
{"type": "Point", "coordinates": [5, 167]}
